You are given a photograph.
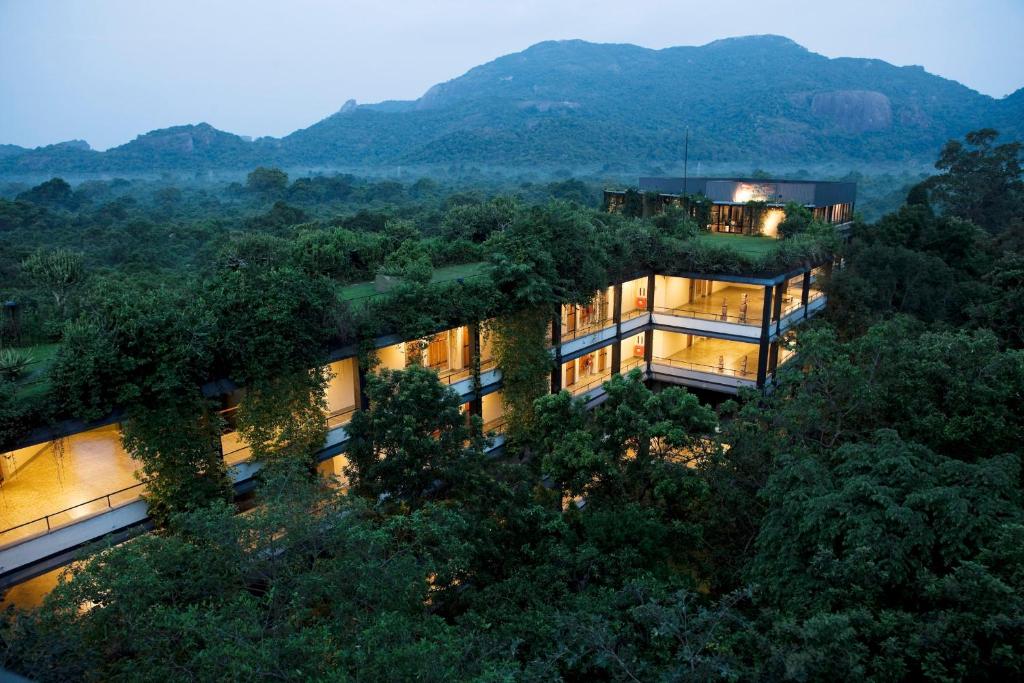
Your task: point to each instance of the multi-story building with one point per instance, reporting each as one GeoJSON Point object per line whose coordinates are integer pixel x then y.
{"type": "Point", "coordinates": [750, 206]}
{"type": "Point", "coordinates": [72, 483]}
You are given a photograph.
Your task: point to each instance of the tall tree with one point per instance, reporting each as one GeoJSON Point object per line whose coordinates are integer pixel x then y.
{"type": "Point", "coordinates": [411, 444]}
{"type": "Point", "coordinates": [980, 180]}
{"type": "Point", "coordinates": [59, 271]}
{"type": "Point", "coordinates": [269, 182]}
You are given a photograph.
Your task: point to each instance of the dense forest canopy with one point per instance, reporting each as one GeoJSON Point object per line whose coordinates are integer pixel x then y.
{"type": "Point", "coordinates": [863, 520]}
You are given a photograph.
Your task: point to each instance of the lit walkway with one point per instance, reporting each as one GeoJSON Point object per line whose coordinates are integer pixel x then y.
{"type": "Point", "coordinates": [735, 304]}
{"type": "Point", "coordinates": [738, 359]}
{"type": "Point", "coordinates": [43, 482]}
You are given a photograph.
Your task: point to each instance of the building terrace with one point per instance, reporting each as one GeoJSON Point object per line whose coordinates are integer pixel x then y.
{"type": "Point", "coordinates": [722, 331]}
{"type": "Point", "coordinates": [747, 206]}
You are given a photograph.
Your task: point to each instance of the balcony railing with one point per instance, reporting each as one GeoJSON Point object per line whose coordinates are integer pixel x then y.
{"type": "Point", "coordinates": [577, 388]}
{"type": "Point", "coordinates": [496, 426]}
{"type": "Point", "coordinates": [589, 328]}
{"type": "Point", "coordinates": [635, 313]}
{"type": "Point", "coordinates": [450, 377]}
{"type": "Point", "coordinates": [710, 369]}
{"type": "Point", "coordinates": [689, 312]}
{"type": "Point", "coordinates": [62, 518]}
{"type": "Point", "coordinates": [627, 365]}
{"type": "Point", "coordinates": [340, 417]}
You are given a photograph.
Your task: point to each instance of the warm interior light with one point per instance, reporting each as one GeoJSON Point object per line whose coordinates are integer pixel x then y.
{"type": "Point", "coordinates": [770, 222]}
{"type": "Point", "coordinates": [744, 193]}
{"type": "Point", "coordinates": [751, 192]}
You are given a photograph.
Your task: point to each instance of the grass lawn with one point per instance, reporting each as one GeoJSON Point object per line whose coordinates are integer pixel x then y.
{"type": "Point", "coordinates": [363, 290]}
{"type": "Point", "coordinates": [748, 245]}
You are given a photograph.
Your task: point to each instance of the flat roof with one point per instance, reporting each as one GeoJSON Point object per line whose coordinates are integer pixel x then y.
{"type": "Point", "coordinates": [742, 190]}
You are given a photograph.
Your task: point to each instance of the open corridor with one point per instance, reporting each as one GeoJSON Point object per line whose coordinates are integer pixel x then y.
{"type": "Point", "coordinates": [59, 477]}
{"type": "Point", "coordinates": [719, 356]}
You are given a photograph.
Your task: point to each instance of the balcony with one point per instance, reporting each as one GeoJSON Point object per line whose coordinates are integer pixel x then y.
{"type": "Point", "coordinates": [60, 482]}
{"type": "Point", "coordinates": [447, 353]}
{"type": "Point", "coordinates": [585, 375]}
{"type": "Point", "coordinates": [709, 306]}
{"type": "Point", "coordinates": [705, 362]}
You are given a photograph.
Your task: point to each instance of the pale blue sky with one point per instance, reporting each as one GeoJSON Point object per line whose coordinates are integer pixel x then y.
{"type": "Point", "coordinates": [108, 70]}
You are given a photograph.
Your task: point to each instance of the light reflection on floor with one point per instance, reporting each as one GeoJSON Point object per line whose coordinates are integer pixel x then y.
{"type": "Point", "coordinates": [735, 356]}
{"type": "Point", "coordinates": [44, 481]}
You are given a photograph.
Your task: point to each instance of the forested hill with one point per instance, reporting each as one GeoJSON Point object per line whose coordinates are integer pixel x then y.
{"type": "Point", "coordinates": [761, 100]}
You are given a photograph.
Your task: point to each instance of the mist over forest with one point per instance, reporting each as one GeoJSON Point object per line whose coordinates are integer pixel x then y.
{"type": "Point", "coordinates": [439, 390]}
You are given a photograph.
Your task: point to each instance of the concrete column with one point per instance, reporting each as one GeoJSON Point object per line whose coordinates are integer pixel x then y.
{"type": "Point", "coordinates": [556, 340]}
{"type": "Point", "coordinates": [476, 405]}
{"type": "Point", "coordinates": [780, 291]}
{"type": "Point", "coordinates": [617, 318]}
{"type": "Point", "coordinates": [762, 356]}
{"type": "Point", "coordinates": [650, 293]}
{"type": "Point", "coordinates": [473, 330]}
{"type": "Point", "coordinates": [806, 291]}
{"type": "Point", "coordinates": [773, 357]}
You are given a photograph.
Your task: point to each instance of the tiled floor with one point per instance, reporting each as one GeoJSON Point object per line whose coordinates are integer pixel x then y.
{"type": "Point", "coordinates": [93, 464]}
{"type": "Point", "coordinates": [711, 306]}
{"type": "Point", "coordinates": [707, 352]}
{"type": "Point", "coordinates": [29, 594]}
{"type": "Point", "coordinates": [729, 300]}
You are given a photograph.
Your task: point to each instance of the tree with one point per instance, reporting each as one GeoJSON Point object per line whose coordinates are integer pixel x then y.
{"type": "Point", "coordinates": [60, 271]}
{"type": "Point", "coordinates": [797, 221]}
{"type": "Point", "coordinates": [284, 418]}
{"type": "Point", "coordinates": [410, 261]}
{"type": "Point", "coordinates": [954, 392]}
{"type": "Point", "coordinates": [307, 585]}
{"type": "Point", "coordinates": [885, 560]}
{"type": "Point", "coordinates": [477, 222]}
{"type": "Point", "coordinates": [409, 446]}
{"type": "Point", "coordinates": [631, 448]}
{"type": "Point", "coordinates": [178, 444]}
{"type": "Point", "coordinates": [268, 182]}
{"type": "Point", "coordinates": [981, 181]}
{"type": "Point", "coordinates": [1003, 312]}
{"type": "Point", "coordinates": [55, 193]}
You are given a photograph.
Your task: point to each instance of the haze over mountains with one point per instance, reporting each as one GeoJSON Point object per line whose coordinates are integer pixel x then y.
{"type": "Point", "coordinates": [759, 100]}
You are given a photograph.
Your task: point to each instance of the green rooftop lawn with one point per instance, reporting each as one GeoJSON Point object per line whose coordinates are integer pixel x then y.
{"type": "Point", "coordinates": [362, 290]}
{"type": "Point", "coordinates": [748, 245]}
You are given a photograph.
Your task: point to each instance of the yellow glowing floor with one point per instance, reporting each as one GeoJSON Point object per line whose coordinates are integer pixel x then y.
{"type": "Point", "coordinates": [93, 464]}
{"type": "Point", "coordinates": [710, 306]}
{"type": "Point", "coordinates": [30, 594]}
{"type": "Point", "coordinates": [706, 353]}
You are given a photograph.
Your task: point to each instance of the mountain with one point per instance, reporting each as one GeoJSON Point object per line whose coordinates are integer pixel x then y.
{"type": "Point", "coordinates": [760, 100]}
{"type": "Point", "coordinates": [11, 150]}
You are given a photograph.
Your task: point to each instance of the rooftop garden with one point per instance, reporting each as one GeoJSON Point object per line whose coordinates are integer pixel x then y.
{"type": "Point", "coordinates": [270, 305]}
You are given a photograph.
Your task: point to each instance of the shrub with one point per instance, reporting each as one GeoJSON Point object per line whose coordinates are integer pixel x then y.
{"type": "Point", "coordinates": [14, 363]}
